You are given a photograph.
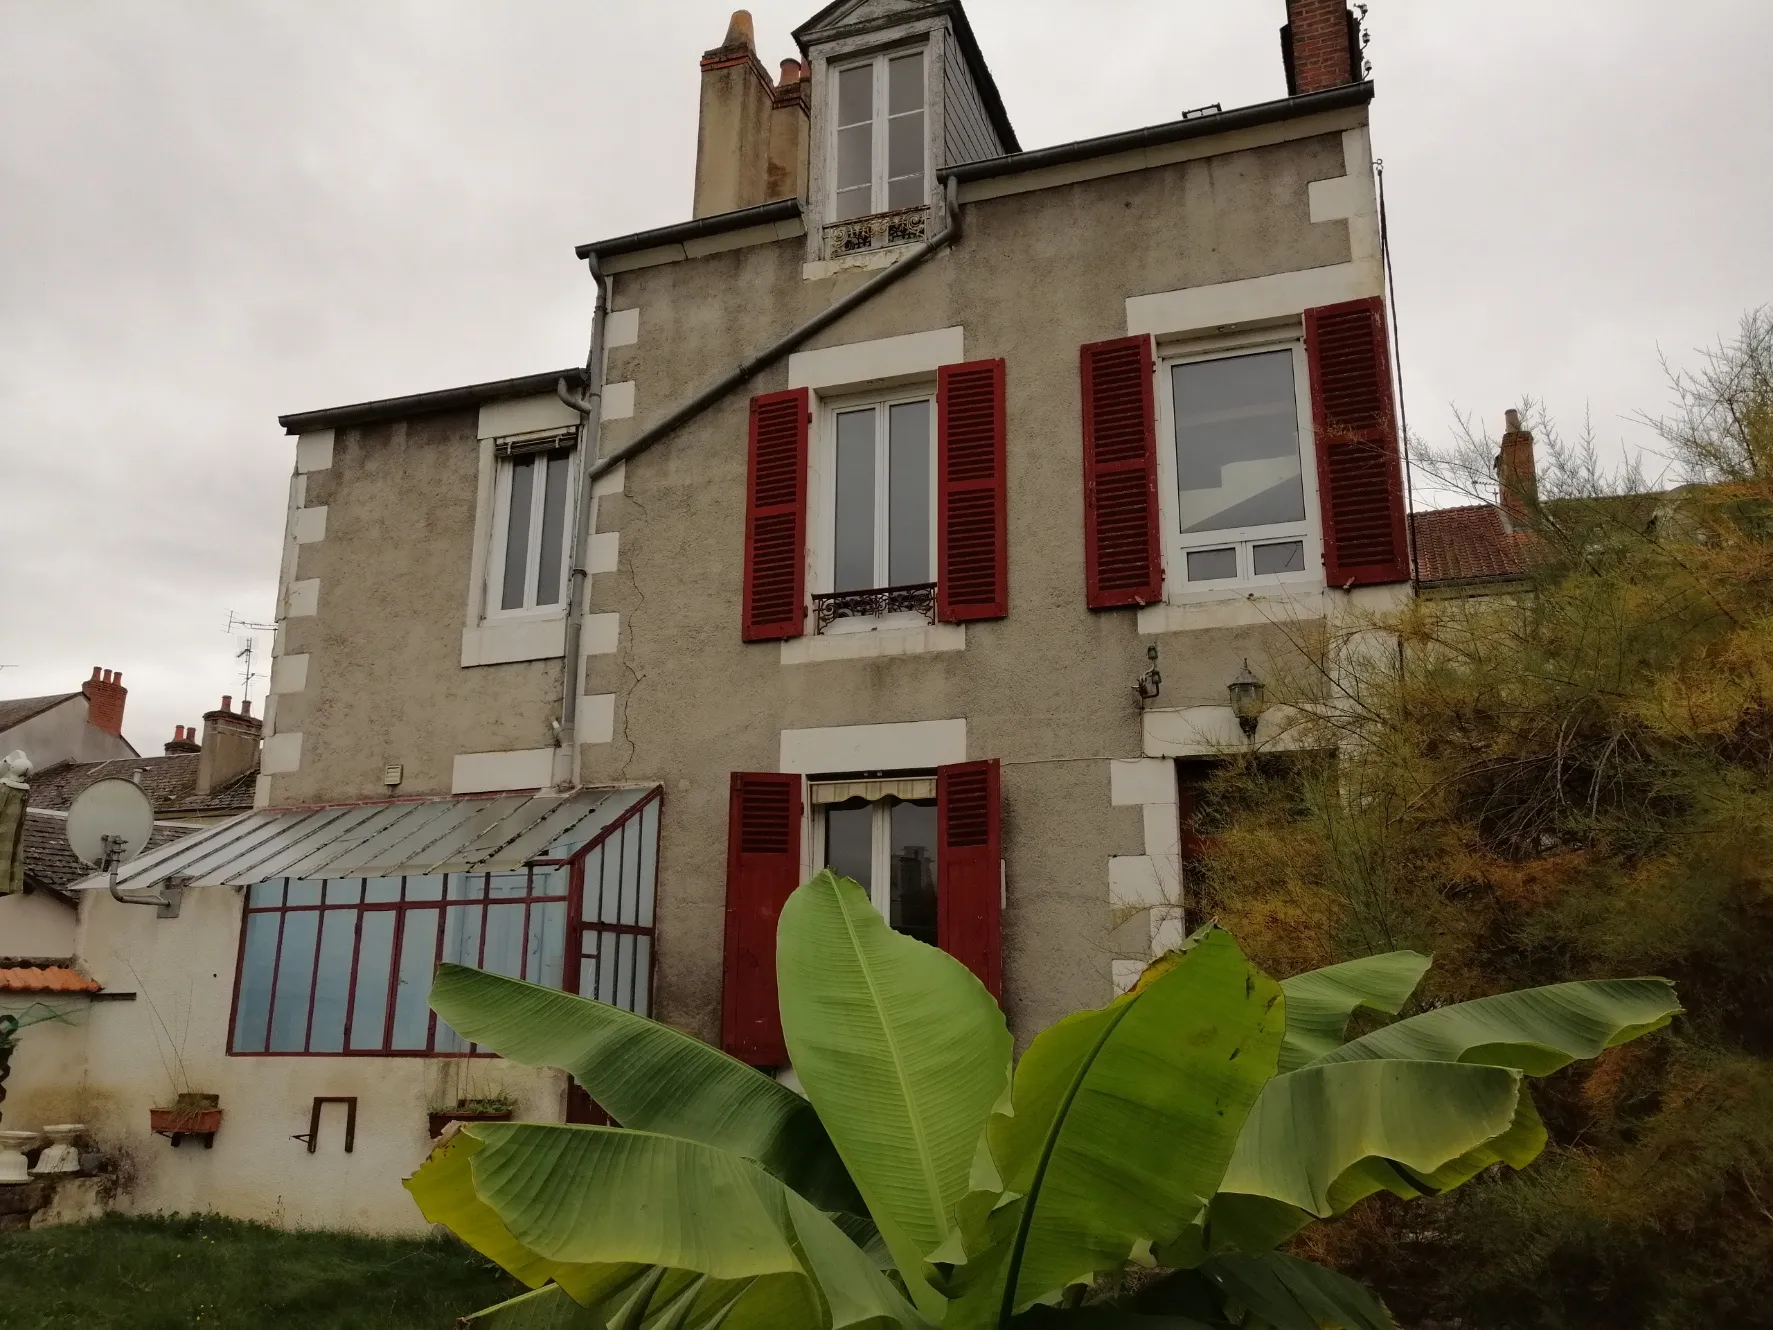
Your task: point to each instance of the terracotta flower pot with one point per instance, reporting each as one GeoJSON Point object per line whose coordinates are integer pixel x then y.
{"type": "Point", "coordinates": [183, 1121]}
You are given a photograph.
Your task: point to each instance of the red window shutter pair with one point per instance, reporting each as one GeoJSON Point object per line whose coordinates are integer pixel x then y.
{"type": "Point", "coordinates": [972, 580]}
{"type": "Point", "coordinates": [763, 869]}
{"type": "Point", "coordinates": [1360, 484]}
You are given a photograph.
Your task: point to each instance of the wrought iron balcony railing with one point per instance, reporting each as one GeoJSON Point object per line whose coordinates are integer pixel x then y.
{"type": "Point", "coordinates": [919, 598]}
{"type": "Point", "coordinates": [900, 227]}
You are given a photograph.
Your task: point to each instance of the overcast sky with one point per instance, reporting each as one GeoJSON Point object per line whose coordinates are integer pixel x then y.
{"type": "Point", "coordinates": [212, 213]}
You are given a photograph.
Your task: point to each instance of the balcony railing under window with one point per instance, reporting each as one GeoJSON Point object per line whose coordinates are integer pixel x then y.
{"type": "Point", "coordinates": [919, 598]}
{"type": "Point", "coordinates": [902, 226]}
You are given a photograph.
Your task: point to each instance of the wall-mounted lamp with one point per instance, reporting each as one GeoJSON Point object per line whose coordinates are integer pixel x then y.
{"type": "Point", "coordinates": [1246, 700]}
{"type": "Point", "coordinates": [1150, 683]}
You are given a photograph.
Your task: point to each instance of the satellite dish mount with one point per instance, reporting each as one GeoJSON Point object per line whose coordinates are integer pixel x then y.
{"type": "Point", "coordinates": [108, 825]}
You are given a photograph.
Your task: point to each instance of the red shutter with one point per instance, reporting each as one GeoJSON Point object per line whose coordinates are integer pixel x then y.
{"type": "Point", "coordinates": [762, 869]}
{"type": "Point", "coordinates": [973, 578]}
{"type": "Point", "coordinates": [775, 517]}
{"type": "Point", "coordinates": [969, 880]}
{"type": "Point", "coordinates": [1122, 563]}
{"type": "Point", "coordinates": [1359, 482]}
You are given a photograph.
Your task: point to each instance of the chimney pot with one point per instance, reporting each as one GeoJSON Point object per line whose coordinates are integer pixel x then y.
{"type": "Point", "coordinates": [790, 74]}
{"type": "Point", "coordinates": [227, 702]}
{"type": "Point", "coordinates": [1512, 419]}
{"type": "Point", "coordinates": [95, 675]}
{"type": "Point", "coordinates": [1517, 481]}
{"type": "Point", "coordinates": [246, 706]}
{"type": "Point", "coordinates": [105, 695]}
{"type": "Point", "coordinates": [739, 31]}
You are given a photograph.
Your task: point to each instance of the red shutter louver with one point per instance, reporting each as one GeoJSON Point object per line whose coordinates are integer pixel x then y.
{"type": "Point", "coordinates": [762, 870]}
{"type": "Point", "coordinates": [969, 879]}
{"type": "Point", "coordinates": [775, 517]}
{"type": "Point", "coordinates": [1359, 481]}
{"type": "Point", "coordinates": [972, 579]}
{"type": "Point", "coordinates": [1122, 561]}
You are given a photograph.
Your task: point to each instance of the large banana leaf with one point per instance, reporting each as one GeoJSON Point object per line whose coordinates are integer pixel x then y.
{"type": "Point", "coordinates": [1319, 1002]}
{"type": "Point", "coordinates": [650, 1077]}
{"type": "Point", "coordinates": [902, 1051]}
{"type": "Point", "coordinates": [1535, 1030]}
{"type": "Point", "coordinates": [655, 1228]}
{"type": "Point", "coordinates": [1124, 1119]}
{"type": "Point", "coordinates": [547, 1308]}
{"type": "Point", "coordinates": [1290, 1294]}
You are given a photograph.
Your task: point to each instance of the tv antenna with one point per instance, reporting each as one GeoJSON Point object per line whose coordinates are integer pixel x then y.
{"type": "Point", "coordinates": [245, 646]}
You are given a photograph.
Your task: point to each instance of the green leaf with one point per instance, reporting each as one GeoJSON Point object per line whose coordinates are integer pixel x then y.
{"type": "Point", "coordinates": [1311, 1127]}
{"type": "Point", "coordinates": [1319, 1002]}
{"type": "Point", "coordinates": [650, 1077]}
{"type": "Point", "coordinates": [902, 1051]}
{"type": "Point", "coordinates": [1291, 1294]}
{"type": "Point", "coordinates": [676, 1232]}
{"type": "Point", "coordinates": [547, 1308]}
{"type": "Point", "coordinates": [1125, 1117]}
{"type": "Point", "coordinates": [1102, 1318]}
{"type": "Point", "coordinates": [1535, 1030]}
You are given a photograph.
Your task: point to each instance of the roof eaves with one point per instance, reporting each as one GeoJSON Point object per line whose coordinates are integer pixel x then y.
{"type": "Point", "coordinates": [417, 404]}
{"type": "Point", "coordinates": [758, 214]}
{"type": "Point", "coordinates": [1172, 131]}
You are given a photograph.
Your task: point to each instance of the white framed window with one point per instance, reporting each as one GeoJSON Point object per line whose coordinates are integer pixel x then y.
{"type": "Point", "coordinates": [533, 503]}
{"type": "Point", "coordinates": [879, 146]}
{"type": "Point", "coordinates": [875, 510]}
{"type": "Point", "coordinates": [1239, 494]}
{"type": "Point", "coordinates": [888, 845]}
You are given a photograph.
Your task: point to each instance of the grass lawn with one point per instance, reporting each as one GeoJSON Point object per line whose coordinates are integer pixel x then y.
{"type": "Point", "coordinates": [176, 1273]}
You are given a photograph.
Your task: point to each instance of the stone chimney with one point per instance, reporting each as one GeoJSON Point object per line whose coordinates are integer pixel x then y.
{"type": "Point", "coordinates": [184, 740]}
{"type": "Point", "coordinates": [105, 695]}
{"type": "Point", "coordinates": [1320, 46]}
{"type": "Point", "coordinates": [1517, 480]}
{"type": "Point", "coordinates": [751, 139]}
{"type": "Point", "coordinates": [230, 746]}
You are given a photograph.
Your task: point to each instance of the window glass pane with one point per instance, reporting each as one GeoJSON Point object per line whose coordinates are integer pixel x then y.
{"type": "Point", "coordinates": [545, 956]}
{"type": "Point", "coordinates": [418, 956]}
{"type": "Point", "coordinates": [908, 494]}
{"type": "Point", "coordinates": [913, 829]}
{"type": "Point", "coordinates": [849, 841]}
{"type": "Point", "coordinates": [649, 861]}
{"type": "Point", "coordinates": [265, 894]}
{"type": "Point", "coordinates": [855, 95]}
{"type": "Point", "coordinates": [332, 982]}
{"type": "Point", "coordinates": [1286, 556]}
{"type": "Point", "coordinates": [1211, 565]}
{"type": "Point", "coordinates": [1237, 442]}
{"type": "Point", "coordinates": [905, 192]}
{"type": "Point", "coordinates": [855, 157]}
{"type": "Point", "coordinates": [257, 957]}
{"type": "Point", "coordinates": [505, 886]}
{"type": "Point", "coordinates": [523, 472]}
{"type": "Point", "coordinates": [631, 872]}
{"type": "Point", "coordinates": [591, 903]}
{"type": "Point", "coordinates": [905, 145]}
{"type": "Point", "coordinates": [295, 981]}
{"type": "Point", "coordinates": [467, 886]}
{"type": "Point", "coordinates": [505, 939]}
{"type": "Point", "coordinates": [550, 881]}
{"type": "Point", "coordinates": [589, 965]}
{"type": "Point", "coordinates": [609, 966]}
{"type": "Point", "coordinates": [375, 959]}
{"type": "Point", "coordinates": [643, 965]}
{"type": "Point", "coordinates": [905, 84]}
{"type": "Point", "coordinates": [303, 892]}
{"type": "Point", "coordinates": [857, 202]}
{"type": "Point", "coordinates": [381, 890]}
{"type": "Point", "coordinates": [344, 891]}
{"type": "Point", "coordinates": [548, 588]}
{"type": "Point", "coordinates": [461, 935]}
{"type": "Point", "coordinates": [853, 560]}
{"type": "Point", "coordinates": [424, 888]}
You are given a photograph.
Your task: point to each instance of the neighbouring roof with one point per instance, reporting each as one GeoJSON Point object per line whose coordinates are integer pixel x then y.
{"type": "Point", "coordinates": [390, 838]}
{"type": "Point", "coordinates": [46, 979]}
{"type": "Point", "coordinates": [1468, 545]}
{"type": "Point", "coordinates": [17, 710]}
{"type": "Point", "coordinates": [418, 404]}
{"type": "Point", "coordinates": [170, 782]}
{"type": "Point", "coordinates": [50, 863]}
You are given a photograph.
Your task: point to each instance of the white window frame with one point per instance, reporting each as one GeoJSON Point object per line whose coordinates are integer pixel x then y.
{"type": "Point", "coordinates": [878, 191]}
{"type": "Point", "coordinates": [1176, 545]}
{"type": "Point", "coordinates": [822, 497]}
{"type": "Point", "coordinates": [880, 868]}
{"type": "Point", "coordinates": [494, 589]}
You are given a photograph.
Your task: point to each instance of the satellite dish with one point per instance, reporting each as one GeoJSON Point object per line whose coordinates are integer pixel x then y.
{"type": "Point", "coordinates": [114, 809]}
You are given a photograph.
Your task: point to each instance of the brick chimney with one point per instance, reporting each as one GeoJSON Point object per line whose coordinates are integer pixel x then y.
{"type": "Point", "coordinates": [1517, 479]}
{"type": "Point", "coordinates": [1320, 46]}
{"type": "Point", "coordinates": [752, 136]}
{"type": "Point", "coordinates": [105, 695]}
{"type": "Point", "coordinates": [184, 740]}
{"type": "Point", "coordinates": [230, 746]}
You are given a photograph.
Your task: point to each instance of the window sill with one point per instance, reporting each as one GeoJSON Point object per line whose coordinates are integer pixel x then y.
{"type": "Point", "coordinates": [889, 639]}
{"type": "Point", "coordinates": [504, 641]}
{"type": "Point", "coordinates": [1235, 607]}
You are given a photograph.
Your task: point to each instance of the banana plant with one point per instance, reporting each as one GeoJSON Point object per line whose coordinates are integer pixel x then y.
{"type": "Point", "coordinates": [1137, 1169]}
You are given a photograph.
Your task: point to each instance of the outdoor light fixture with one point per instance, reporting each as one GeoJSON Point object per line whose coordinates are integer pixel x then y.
{"type": "Point", "coordinates": [1246, 700]}
{"type": "Point", "coordinates": [1150, 683]}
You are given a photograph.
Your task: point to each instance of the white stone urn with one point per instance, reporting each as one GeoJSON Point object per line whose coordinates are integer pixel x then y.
{"type": "Point", "coordinates": [13, 1145]}
{"type": "Point", "coordinates": [61, 1155]}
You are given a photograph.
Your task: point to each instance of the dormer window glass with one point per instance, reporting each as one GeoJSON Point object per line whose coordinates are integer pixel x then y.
{"type": "Point", "coordinates": [881, 146]}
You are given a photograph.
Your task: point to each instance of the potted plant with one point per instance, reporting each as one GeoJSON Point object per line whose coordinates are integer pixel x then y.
{"type": "Point", "coordinates": [192, 1114]}
{"type": "Point", "coordinates": [487, 1108]}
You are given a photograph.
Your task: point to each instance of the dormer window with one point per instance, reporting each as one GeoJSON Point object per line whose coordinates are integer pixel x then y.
{"type": "Point", "coordinates": [880, 147]}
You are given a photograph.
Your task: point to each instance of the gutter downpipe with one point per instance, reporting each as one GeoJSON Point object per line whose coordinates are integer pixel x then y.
{"type": "Point", "coordinates": [590, 408]}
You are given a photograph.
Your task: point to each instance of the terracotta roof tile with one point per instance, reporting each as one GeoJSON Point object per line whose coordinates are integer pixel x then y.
{"type": "Point", "coordinates": [47, 979]}
{"type": "Point", "coordinates": [1468, 544]}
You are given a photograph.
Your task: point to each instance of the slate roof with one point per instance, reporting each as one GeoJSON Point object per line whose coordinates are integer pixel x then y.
{"type": "Point", "coordinates": [1468, 545]}
{"type": "Point", "coordinates": [17, 710]}
{"type": "Point", "coordinates": [50, 864]}
{"type": "Point", "coordinates": [45, 979]}
{"type": "Point", "coordinates": [170, 782]}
